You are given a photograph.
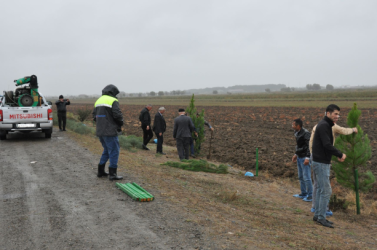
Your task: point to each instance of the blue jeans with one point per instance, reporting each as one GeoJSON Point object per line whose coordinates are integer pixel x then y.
{"type": "Point", "coordinates": [304, 177]}
{"type": "Point", "coordinates": [322, 175]}
{"type": "Point", "coordinates": [111, 147]}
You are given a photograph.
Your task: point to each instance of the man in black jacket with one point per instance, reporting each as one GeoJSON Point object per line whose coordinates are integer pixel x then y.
{"type": "Point", "coordinates": [145, 119]}
{"type": "Point", "coordinates": [322, 151]}
{"type": "Point", "coordinates": [109, 120]}
{"type": "Point", "coordinates": [183, 127]}
{"type": "Point", "coordinates": [159, 128]}
{"type": "Point", "coordinates": [302, 156]}
{"type": "Point", "coordinates": [62, 111]}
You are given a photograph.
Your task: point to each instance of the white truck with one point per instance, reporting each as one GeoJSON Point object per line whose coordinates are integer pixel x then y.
{"type": "Point", "coordinates": [22, 111]}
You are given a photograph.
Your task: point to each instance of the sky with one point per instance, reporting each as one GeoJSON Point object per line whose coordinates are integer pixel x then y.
{"type": "Point", "coordinates": [79, 47]}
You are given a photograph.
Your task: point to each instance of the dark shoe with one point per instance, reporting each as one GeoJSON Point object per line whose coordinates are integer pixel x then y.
{"type": "Point", "coordinates": [316, 219]}
{"type": "Point", "coordinates": [325, 223]}
{"type": "Point", "coordinates": [60, 129]}
{"type": "Point", "coordinates": [145, 147]}
{"type": "Point", "coordinates": [101, 170]}
{"type": "Point", "coordinates": [161, 153]}
{"type": "Point", "coordinates": [64, 130]}
{"type": "Point", "coordinates": [113, 174]}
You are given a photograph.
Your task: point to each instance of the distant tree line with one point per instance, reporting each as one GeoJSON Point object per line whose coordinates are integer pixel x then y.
{"type": "Point", "coordinates": [287, 89]}
{"type": "Point", "coordinates": [316, 86]}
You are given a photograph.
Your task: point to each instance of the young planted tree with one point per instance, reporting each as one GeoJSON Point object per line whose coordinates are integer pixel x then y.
{"type": "Point", "coordinates": [198, 123]}
{"type": "Point", "coordinates": [358, 150]}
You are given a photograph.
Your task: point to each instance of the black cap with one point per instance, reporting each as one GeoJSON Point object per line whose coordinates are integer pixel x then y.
{"type": "Point", "coordinates": [61, 96]}
{"type": "Point", "coordinates": [181, 110]}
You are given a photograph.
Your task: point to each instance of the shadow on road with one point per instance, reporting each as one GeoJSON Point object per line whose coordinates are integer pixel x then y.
{"type": "Point", "coordinates": [32, 136]}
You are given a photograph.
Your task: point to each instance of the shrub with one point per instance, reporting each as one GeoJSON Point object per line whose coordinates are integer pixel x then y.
{"type": "Point", "coordinates": [338, 204]}
{"type": "Point", "coordinates": [83, 114]}
{"type": "Point", "coordinates": [130, 142]}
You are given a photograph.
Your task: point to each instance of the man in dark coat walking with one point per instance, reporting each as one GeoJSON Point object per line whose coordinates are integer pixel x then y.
{"type": "Point", "coordinates": [159, 128]}
{"type": "Point", "coordinates": [145, 119]}
{"type": "Point", "coordinates": [183, 127]}
{"type": "Point", "coordinates": [109, 120]}
{"type": "Point", "coordinates": [62, 111]}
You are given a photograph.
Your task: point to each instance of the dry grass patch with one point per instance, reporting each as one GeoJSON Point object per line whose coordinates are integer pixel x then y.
{"type": "Point", "coordinates": [257, 212]}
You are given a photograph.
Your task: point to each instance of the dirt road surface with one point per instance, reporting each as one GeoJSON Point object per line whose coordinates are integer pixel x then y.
{"type": "Point", "coordinates": [50, 198]}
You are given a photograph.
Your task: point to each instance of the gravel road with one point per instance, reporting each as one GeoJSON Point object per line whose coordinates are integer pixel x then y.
{"type": "Point", "coordinates": [50, 198]}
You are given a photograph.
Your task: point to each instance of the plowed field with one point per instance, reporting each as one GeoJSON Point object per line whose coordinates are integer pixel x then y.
{"type": "Point", "coordinates": [240, 130]}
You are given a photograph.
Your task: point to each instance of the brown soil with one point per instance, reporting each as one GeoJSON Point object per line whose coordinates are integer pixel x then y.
{"type": "Point", "coordinates": [240, 130]}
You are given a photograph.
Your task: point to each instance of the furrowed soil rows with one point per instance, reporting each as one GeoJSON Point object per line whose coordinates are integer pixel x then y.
{"type": "Point", "coordinates": [240, 130]}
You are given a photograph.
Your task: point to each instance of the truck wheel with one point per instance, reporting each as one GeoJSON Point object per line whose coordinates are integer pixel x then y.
{"type": "Point", "coordinates": [48, 133]}
{"type": "Point", "coordinates": [3, 135]}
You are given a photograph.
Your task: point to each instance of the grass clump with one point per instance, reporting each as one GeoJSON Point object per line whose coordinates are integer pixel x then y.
{"type": "Point", "coordinates": [79, 127]}
{"type": "Point", "coordinates": [198, 166]}
{"type": "Point", "coordinates": [130, 142]}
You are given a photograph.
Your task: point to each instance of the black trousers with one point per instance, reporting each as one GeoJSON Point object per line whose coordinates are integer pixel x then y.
{"type": "Point", "coordinates": [160, 140]}
{"type": "Point", "coordinates": [147, 134]}
{"type": "Point", "coordinates": [183, 147]}
{"type": "Point", "coordinates": [62, 117]}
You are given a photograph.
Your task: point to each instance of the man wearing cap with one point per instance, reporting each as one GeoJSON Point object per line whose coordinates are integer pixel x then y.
{"type": "Point", "coordinates": [109, 120]}
{"type": "Point", "coordinates": [62, 111]}
{"type": "Point", "coordinates": [159, 128]}
{"type": "Point", "coordinates": [183, 127]}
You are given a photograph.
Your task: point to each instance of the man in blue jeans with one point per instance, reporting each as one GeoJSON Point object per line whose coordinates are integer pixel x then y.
{"type": "Point", "coordinates": [302, 155]}
{"type": "Point", "coordinates": [322, 151]}
{"type": "Point", "coordinates": [109, 120]}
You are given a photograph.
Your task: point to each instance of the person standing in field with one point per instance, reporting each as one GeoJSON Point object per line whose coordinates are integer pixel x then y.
{"type": "Point", "coordinates": [145, 119]}
{"type": "Point", "coordinates": [336, 130]}
{"type": "Point", "coordinates": [159, 128]}
{"type": "Point", "coordinates": [302, 155]}
{"type": "Point", "coordinates": [322, 151]}
{"type": "Point", "coordinates": [183, 127]}
{"type": "Point", "coordinates": [109, 120]}
{"type": "Point", "coordinates": [62, 111]}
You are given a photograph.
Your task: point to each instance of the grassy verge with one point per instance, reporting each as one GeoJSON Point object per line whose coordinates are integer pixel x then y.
{"type": "Point", "coordinates": [248, 213]}
{"type": "Point", "coordinates": [130, 142]}
{"type": "Point", "coordinates": [198, 166]}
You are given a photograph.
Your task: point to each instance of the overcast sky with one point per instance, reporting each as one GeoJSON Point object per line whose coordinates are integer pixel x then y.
{"type": "Point", "coordinates": [78, 47]}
